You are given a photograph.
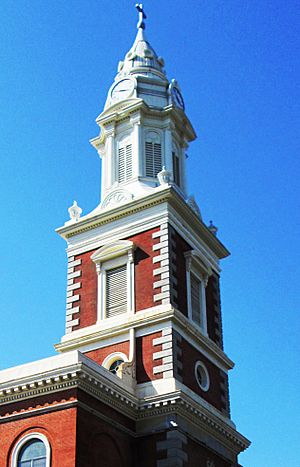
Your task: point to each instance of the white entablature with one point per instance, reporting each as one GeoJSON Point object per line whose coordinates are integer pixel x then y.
{"type": "Point", "coordinates": [143, 128]}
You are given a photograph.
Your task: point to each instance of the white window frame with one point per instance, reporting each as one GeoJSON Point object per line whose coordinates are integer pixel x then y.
{"type": "Point", "coordinates": [204, 387]}
{"type": "Point", "coordinates": [123, 141]}
{"type": "Point", "coordinates": [156, 137]}
{"type": "Point", "coordinates": [24, 440]}
{"type": "Point", "coordinates": [108, 257]}
{"type": "Point", "coordinates": [111, 358]}
{"type": "Point", "coordinates": [195, 265]}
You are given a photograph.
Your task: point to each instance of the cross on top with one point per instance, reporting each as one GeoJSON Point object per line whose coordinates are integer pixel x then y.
{"type": "Point", "coordinates": [142, 15]}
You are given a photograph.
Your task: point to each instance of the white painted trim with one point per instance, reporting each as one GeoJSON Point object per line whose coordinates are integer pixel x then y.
{"type": "Point", "coordinates": [73, 298]}
{"type": "Point", "coordinates": [162, 340]}
{"type": "Point", "coordinates": [25, 439]}
{"type": "Point", "coordinates": [204, 387]}
{"type": "Point", "coordinates": [74, 274]}
{"type": "Point", "coordinates": [195, 265]}
{"type": "Point", "coordinates": [161, 233]}
{"type": "Point", "coordinates": [72, 264]}
{"type": "Point", "coordinates": [151, 216]}
{"type": "Point", "coordinates": [162, 368]}
{"type": "Point", "coordinates": [107, 257]}
{"type": "Point", "coordinates": [75, 286]}
{"type": "Point", "coordinates": [72, 323]}
{"type": "Point", "coordinates": [111, 358]}
{"type": "Point", "coordinates": [162, 353]}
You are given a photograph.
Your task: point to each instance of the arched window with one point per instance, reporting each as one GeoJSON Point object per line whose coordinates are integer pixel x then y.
{"type": "Point", "coordinates": [32, 454]}
{"type": "Point", "coordinates": [124, 160]}
{"type": "Point", "coordinates": [33, 450]}
{"type": "Point", "coordinates": [113, 361]}
{"type": "Point", "coordinates": [153, 154]}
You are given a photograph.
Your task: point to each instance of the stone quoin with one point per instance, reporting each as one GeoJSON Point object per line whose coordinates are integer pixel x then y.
{"type": "Point", "coordinates": [141, 376]}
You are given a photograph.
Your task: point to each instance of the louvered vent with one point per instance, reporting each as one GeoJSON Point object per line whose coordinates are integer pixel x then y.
{"type": "Point", "coordinates": [176, 172]}
{"type": "Point", "coordinates": [116, 291]}
{"type": "Point", "coordinates": [196, 299]}
{"type": "Point", "coordinates": [153, 159]}
{"type": "Point", "coordinates": [125, 163]}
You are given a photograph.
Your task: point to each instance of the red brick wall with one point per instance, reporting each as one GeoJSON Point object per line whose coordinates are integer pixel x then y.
{"type": "Point", "coordinates": [88, 291]}
{"type": "Point", "coordinates": [107, 410]}
{"type": "Point", "coordinates": [198, 456]}
{"type": "Point", "coordinates": [190, 356]}
{"type": "Point", "coordinates": [89, 280]}
{"type": "Point", "coordinates": [59, 428]}
{"type": "Point", "coordinates": [144, 355]}
{"type": "Point", "coordinates": [144, 358]}
{"type": "Point", "coordinates": [144, 269]}
{"type": "Point", "coordinates": [213, 310]}
{"type": "Point", "coordinates": [100, 354]}
{"type": "Point", "coordinates": [146, 450]}
{"type": "Point", "coordinates": [179, 249]}
{"type": "Point", "coordinates": [100, 442]}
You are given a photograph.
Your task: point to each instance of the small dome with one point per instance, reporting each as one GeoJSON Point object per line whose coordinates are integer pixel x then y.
{"type": "Point", "coordinates": [142, 59]}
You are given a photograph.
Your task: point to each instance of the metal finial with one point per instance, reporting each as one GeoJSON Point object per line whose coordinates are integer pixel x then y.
{"type": "Point", "coordinates": [142, 16]}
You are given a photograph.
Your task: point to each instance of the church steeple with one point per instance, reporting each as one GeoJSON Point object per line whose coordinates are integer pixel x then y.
{"type": "Point", "coordinates": [143, 128]}
{"type": "Point", "coordinates": [143, 377]}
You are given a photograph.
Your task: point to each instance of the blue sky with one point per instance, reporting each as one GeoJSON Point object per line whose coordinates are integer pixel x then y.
{"type": "Point", "coordinates": [238, 66]}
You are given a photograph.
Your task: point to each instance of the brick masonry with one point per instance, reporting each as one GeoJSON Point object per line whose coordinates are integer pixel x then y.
{"type": "Point", "coordinates": [99, 355]}
{"type": "Point", "coordinates": [146, 347]}
{"type": "Point", "coordinates": [200, 456]}
{"type": "Point", "coordinates": [163, 357]}
{"type": "Point", "coordinates": [213, 310]}
{"type": "Point", "coordinates": [173, 448]}
{"type": "Point", "coordinates": [217, 395]}
{"type": "Point", "coordinates": [59, 427]}
{"type": "Point", "coordinates": [83, 282]}
{"type": "Point", "coordinates": [161, 261]}
{"type": "Point", "coordinates": [178, 272]}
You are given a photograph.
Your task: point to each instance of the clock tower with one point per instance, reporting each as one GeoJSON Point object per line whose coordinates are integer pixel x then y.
{"type": "Point", "coordinates": [141, 378]}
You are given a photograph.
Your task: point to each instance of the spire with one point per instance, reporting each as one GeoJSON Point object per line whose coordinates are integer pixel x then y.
{"type": "Point", "coordinates": [141, 58]}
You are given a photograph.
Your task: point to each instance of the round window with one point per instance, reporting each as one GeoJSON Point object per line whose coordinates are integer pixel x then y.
{"type": "Point", "coordinates": [114, 367]}
{"type": "Point", "coordinates": [202, 376]}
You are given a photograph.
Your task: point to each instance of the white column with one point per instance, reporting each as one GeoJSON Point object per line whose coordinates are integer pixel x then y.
{"type": "Point", "coordinates": [108, 163]}
{"type": "Point", "coordinates": [188, 285]}
{"type": "Point", "coordinates": [183, 167]}
{"type": "Point", "coordinates": [130, 282]}
{"type": "Point", "coordinates": [168, 161]}
{"type": "Point", "coordinates": [137, 152]}
{"type": "Point", "coordinates": [100, 293]}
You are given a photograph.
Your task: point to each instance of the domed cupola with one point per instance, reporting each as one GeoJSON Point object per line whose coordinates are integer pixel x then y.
{"type": "Point", "coordinates": [142, 59]}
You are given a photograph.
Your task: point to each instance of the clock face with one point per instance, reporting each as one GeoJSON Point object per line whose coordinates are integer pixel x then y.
{"type": "Point", "coordinates": [177, 98]}
{"type": "Point", "coordinates": [122, 89]}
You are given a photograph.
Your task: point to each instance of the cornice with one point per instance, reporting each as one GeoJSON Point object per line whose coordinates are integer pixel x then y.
{"type": "Point", "coordinates": [180, 403]}
{"type": "Point", "coordinates": [98, 383]}
{"type": "Point", "coordinates": [169, 195]}
{"type": "Point", "coordinates": [110, 215]}
{"type": "Point", "coordinates": [126, 108]}
{"type": "Point", "coordinates": [138, 320]}
{"type": "Point", "coordinates": [91, 378]}
{"type": "Point", "coordinates": [147, 319]}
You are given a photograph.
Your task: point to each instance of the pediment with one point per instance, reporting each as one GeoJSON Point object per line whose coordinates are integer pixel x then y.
{"type": "Point", "coordinates": [111, 250]}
